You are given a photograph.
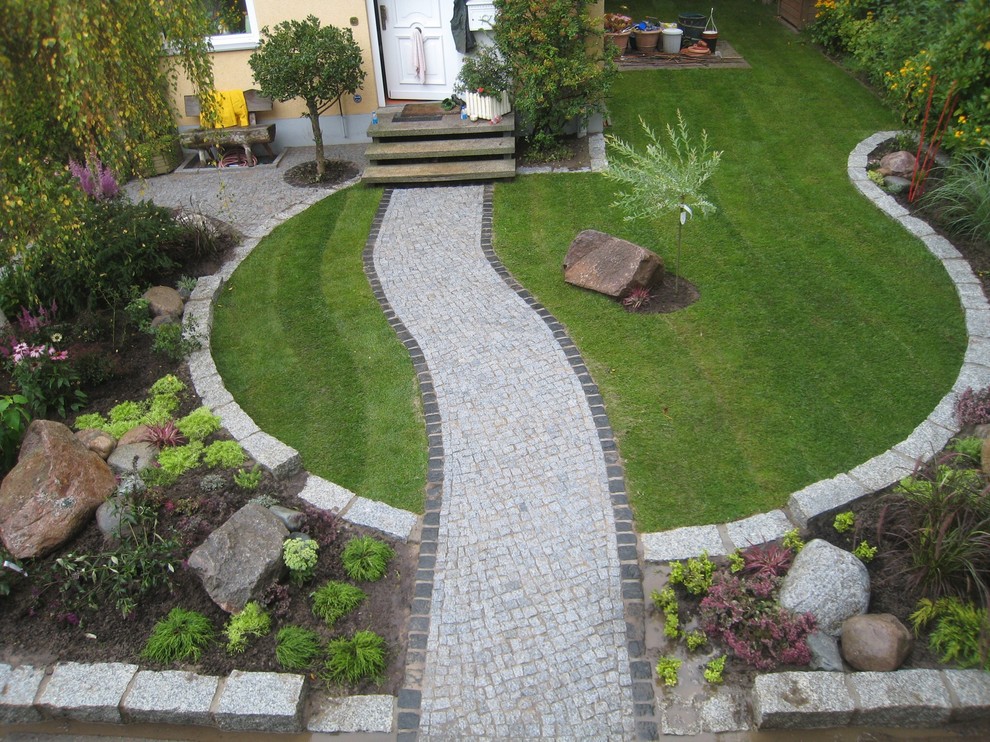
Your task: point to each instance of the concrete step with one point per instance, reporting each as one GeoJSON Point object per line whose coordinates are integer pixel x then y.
{"type": "Point", "coordinates": [440, 148]}
{"type": "Point", "coordinates": [449, 125]}
{"type": "Point", "coordinates": [439, 172]}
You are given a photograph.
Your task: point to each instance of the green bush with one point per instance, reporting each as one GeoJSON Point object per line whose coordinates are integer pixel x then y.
{"type": "Point", "coordinates": [250, 621]}
{"type": "Point", "coordinates": [366, 559]}
{"type": "Point", "coordinates": [362, 657]}
{"type": "Point", "coordinates": [225, 454]}
{"type": "Point", "coordinates": [335, 599]}
{"type": "Point", "coordinates": [694, 574]}
{"type": "Point", "coordinates": [177, 460]}
{"type": "Point", "coordinates": [175, 341]}
{"type": "Point", "coordinates": [179, 636]}
{"type": "Point", "coordinates": [300, 556]}
{"type": "Point", "coordinates": [198, 424]}
{"type": "Point", "coordinates": [961, 633]}
{"type": "Point", "coordinates": [296, 647]}
{"type": "Point", "coordinates": [248, 479]}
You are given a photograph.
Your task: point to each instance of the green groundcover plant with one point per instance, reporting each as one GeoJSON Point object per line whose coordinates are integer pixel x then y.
{"type": "Point", "coordinates": [335, 599]}
{"type": "Point", "coordinates": [181, 635]}
{"type": "Point", "coordinates": [366, 559]}
{"type": "Point", "coordinates": [351, 660]}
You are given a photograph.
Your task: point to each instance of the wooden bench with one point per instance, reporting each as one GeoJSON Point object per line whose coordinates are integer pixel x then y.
{"type": "Point", "coordinates": [205, 141]}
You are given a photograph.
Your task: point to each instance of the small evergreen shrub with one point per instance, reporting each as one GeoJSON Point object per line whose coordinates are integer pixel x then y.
{"type": "Point", "coordinates": [362, 657]}
{"type": "Point", "coordinates": [960, 632]}
{"type": "Point", "coordinates": [667, 668]}
{"type": "Point", "coordinates": [971, 447]}
{"type": "Point", "coordinates": [666, 601]}
{"type": "Point", "coordinates": [252, 620]}
{"type": "Point", "coordinates": [714, 670]}
{"type": "Point", "coordinates": [199, 423]}
{"type": "Point", "coordinates": [864, 552]}
{"type": "Point", "coordinates": [792, 540]}
{"type": "Point", "coordinates": [366, 559]}
{"type": "Point", "coordinates": [336, 599]}
{"type": "Point", "coordinates": [694, 574]}
{"type": "Point", "coordinates": [296, 647]}
{"type": "Point", "coordinates": [177, 460]}
{"type": "Point", "coordinates": [179, 636]}
{"type": "Point", "coordinates": [695, 640]}
{"type": "Point", "coordinates": [224, 454]}
{"type": "Point", "coordinates": [844, 521]}
{"type": "Point", "coordinates": [248, 479]}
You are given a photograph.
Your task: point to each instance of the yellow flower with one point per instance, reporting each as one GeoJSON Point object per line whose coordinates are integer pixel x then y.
{"type": "Point", "coordinates": [958, 133]}
{"type": "Point", "coordinates": [962, 119]}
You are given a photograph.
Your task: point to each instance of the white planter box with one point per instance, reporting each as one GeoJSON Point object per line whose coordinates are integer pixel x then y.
{"type": "Point", "coordinates": [486, 106]}
{"type": "Point", "coordinates": [481, 15]}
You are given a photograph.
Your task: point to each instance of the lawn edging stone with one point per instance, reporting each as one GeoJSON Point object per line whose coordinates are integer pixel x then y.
{"type": "Point", "coordinates": [793, 700]}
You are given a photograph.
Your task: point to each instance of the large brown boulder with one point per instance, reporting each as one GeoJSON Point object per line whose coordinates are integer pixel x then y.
{"type": "Point", "coordinates": [610, 266]}
{"type": "Point", "coordinates": [241, 557]}
{"type": "Point", "coordinates": [164, 301]}
{"type": "Point", "coordinates": [875, 642]}
{"type": "Point", "coordinates": [900, 163]}
{"type": "Point", "coordinates": [52, 492]}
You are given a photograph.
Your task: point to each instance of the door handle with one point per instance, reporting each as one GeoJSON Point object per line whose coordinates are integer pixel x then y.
{"type": "Point", "coordinates": [383, 12]}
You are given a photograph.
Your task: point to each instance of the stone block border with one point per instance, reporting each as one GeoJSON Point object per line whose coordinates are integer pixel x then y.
{"type": "Point", "coordinates": [919, 698]}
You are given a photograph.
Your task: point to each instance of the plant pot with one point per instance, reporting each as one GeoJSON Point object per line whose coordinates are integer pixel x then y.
{"type": "Point", "coordinates": [646, 41]}
{"type": "Point", "coordinates": [481, 106]}
{"type": "Point", "coordinates": [710, 38]}
{"type": "Point", "coordinates": [620, 42]}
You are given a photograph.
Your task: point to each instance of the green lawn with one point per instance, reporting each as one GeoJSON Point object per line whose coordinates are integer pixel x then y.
{"type": "Point", "coordinates": [303, 346]}
{"type": "Point", "coordinates": [824, 334]}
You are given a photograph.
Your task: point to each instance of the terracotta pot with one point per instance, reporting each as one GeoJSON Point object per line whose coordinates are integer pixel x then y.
{"type": "Point", "coordinates": [618, 40]}
{"type": "Point", "coordinates": [710, 38]}
{"type": "Point", "coordinates": [646, 41]}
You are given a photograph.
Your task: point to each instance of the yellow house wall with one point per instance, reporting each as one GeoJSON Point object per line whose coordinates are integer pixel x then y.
{"type": "Point", "coordinates": [231, 70]}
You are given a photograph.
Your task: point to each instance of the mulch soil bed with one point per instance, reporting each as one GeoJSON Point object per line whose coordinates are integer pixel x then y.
{"type": "Point", "coordinates": [40, 628]}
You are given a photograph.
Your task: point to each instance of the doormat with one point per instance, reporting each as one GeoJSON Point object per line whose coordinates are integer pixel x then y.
{"type": "Point", "coordinates": [725, 57]}
{"type": "Point", "coordinates": [419, 112]}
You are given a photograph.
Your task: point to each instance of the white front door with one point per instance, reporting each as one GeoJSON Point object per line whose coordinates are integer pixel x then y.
{"type": "Point", "coordinates": [401, 25]}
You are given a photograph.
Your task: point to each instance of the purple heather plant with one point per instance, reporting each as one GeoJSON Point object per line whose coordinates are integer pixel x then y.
{"type": "Point", "coordinates": [973, 408]}
{"type": "Point", "coordinates": [744, 614]}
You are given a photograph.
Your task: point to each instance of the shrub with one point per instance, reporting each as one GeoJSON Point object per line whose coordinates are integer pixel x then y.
{"type": "Point", "coordinates": [252, 620]}
{"type": "Point", "coordinates": [792, 540]}
{"type": "Point", "coordinates": [844, 521]}
{"type": "Point", "coordinates": [226, 454]}
{"type": "Point", "coordinates": [366, 559]}
{"type": "Point", "coordinates": [300, 556]}
{"type": "Point", "coordinates": [141, 563]}
{"type": "Point", "coordinates": [938, 523]}
{"type": "Point", "coordinates": [744, 614]}
{"type": "Point", "coordinates": [864, 551]}
{"type": "Point", "coordinates": [961, 633]}
{"type": "Point", "coordinates": [199, 423]}
{"type": "Point", "coordinates": [178, 460]}
{"type": "Point", "coordinates": [556, 78]}
{"type": "Point", "coordinates": [14, 419]}
{"type": "Point", "coordinates": [362, 657]}
{"type": "Point", "coordinates": [335, 599]}
{"type": "Point", "coordinates": [971, 448]}
{"type": "Point", "coordinates": [666, 601]}
{"type": "Point", "coordinates": [695, 640]}
{"type": "Point", "coordinates": [714, 670]}
{"type": "Point", "coordinates": [484, 72]}
{"type": "Point", "coordinates": [248, 479]}
{"type": "Point", "coordinates": [167, 386]}
{"type": "Point", "coordinates": [667, 668]}
{"type": "Point", "coordinates": [180, 635]}
{"type": "Point", "coordinates": [296, 647]}
{"type": "Point", "coordinates": [695, 574]}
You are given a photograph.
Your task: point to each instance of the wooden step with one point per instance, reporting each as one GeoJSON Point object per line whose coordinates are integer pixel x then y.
{"type": "Point", "coordinates": [440, 148]}
{"type": "Point", "coordinates": [439, 172]}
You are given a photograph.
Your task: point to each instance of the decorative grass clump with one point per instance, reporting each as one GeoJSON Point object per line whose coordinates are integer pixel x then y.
{"type": "Point", "coordinates": [296, 647]}
{"type": "Point", "coordinates": [366, 559]}
{"type": "Point", "coordinates": [362, 657]}
{"type": "Point", "coordinates": [181, 635]}
{"type": "Point", "coordinates": [336, 599]}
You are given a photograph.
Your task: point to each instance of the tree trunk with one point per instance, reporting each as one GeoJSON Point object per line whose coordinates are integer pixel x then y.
{"type": "Point", "coordinates": [314, 120]}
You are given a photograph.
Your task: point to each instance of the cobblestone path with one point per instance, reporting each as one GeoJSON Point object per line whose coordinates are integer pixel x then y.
{"type": "Point", "coordinates": [527, 636]}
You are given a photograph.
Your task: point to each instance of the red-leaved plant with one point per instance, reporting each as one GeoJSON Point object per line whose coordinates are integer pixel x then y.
{"type": "Point", "coordinates": [166, 434]}
{"type": "Point", "coordinates": [771, 560]}
{"type": "Point", "coordinates": [638, 298]}
{"type": "Point", "coordinates": [744, 614]}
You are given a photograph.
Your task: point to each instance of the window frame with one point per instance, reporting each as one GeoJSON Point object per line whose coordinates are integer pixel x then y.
{"type": "Point", "coordinates": [229, 42]}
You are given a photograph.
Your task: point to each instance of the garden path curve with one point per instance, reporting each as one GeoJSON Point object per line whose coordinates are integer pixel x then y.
{"type": "Point", "coordinates": [523, 623]}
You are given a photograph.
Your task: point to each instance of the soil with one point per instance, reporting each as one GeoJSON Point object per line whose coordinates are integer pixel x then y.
{"type": "Point", "coordinates": [304, 175]}
{"type": "Point", "coordinates": [576, 157]}
{"type": "Point", "coordinates": [42, 627]}
{"type": "Point", "coordinates": [670, 295]}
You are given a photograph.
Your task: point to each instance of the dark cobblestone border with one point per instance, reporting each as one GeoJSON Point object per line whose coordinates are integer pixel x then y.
{"type": "Point", "coordinates": [418, 627]}
{"type": "Point", "coordinates": [627, 542]}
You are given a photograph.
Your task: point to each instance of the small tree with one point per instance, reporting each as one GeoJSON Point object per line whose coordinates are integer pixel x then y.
{"type": "Point", "coordinates": [664, 181]}
{"type": "Point", "coordinates": [301, 59]}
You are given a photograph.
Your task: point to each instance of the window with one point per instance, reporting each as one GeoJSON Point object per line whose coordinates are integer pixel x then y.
{"type": "Point", "coordinates": [235, 24]}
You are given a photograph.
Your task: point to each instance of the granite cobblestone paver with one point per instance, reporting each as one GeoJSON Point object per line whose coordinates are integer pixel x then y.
{"type": "Point", "coordinates": [527, 632]}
